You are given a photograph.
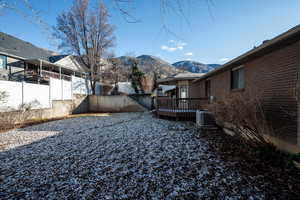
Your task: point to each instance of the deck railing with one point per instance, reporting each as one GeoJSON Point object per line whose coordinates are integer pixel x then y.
{"type": "Point", "coordinates": [183, 107]}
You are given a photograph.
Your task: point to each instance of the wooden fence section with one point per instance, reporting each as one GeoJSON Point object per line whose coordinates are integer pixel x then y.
{"type": "Point", "coordinates": [179, 107]}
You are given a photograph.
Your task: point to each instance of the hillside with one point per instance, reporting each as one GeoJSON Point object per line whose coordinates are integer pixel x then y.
{"type": "Point", "coordinates": [149, 64]}
{"type": "Point", "coordinates": [194, 67]}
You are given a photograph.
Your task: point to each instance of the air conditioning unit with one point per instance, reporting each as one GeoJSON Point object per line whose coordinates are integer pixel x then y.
{"type": "Point", "coordinates": [205, 119]}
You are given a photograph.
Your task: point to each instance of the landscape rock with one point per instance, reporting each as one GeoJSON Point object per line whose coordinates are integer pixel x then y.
{"type": "Point", "coordinates": [123, 156]}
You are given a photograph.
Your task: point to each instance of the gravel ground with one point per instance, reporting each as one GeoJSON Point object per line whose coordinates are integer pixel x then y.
{"type": "Point", "coordinates": [124, 156]}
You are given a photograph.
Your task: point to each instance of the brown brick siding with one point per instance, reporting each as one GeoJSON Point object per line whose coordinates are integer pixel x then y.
{"type": "Point", "coordinates": [274, 78]}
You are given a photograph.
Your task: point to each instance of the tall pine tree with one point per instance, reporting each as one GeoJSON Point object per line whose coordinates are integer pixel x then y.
{"type": "Point", "coordinates": [136, 77]}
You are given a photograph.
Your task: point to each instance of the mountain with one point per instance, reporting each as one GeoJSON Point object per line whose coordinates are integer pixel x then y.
{"type": "Point", "coordinates": [149, 64]}
{"type": "Point", "coordinates": [194, 67]}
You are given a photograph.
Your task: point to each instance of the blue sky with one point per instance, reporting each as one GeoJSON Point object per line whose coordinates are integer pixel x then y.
{"type": "Point", "coordinates": [211, 35]}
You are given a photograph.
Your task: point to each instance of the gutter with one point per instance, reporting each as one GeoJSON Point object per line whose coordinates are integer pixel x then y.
{"type": "Point", "coordinates": [290, 34]}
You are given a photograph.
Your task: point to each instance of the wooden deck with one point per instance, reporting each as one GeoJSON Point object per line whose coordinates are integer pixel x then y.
{"type": "Point", "coordinates": [179, 108]}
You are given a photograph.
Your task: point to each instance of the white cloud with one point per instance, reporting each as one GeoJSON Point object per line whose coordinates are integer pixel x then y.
{"type": "Point", "coordinates": [224, 60]}
{"type": "Point", "coordinates": [174, 46]}
{"type": "Point", "coordinates": [167, 48]}
{"type": "Point", "coordinates": [189, 54]}
{"type": "Point", "coordinates": [180, 45]}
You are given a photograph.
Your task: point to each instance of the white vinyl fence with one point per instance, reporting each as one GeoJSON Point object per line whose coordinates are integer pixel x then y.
{"type": "Point", "coordinates": [19, 93]}
{"type": "Point", "coordinates": [80, 86]}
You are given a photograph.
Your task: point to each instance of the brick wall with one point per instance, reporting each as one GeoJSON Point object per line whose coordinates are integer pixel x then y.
{"type": "Point", "coordinates": [274, 78]}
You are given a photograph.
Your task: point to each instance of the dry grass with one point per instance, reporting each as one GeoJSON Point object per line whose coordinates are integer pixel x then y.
{"type": "Point", "coordinates": [6, 125]}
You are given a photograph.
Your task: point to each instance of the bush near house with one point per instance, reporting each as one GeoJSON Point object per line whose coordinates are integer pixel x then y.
{"type": "Point", "coordinates": [244, 116]}
{"type": "Point", "coordinates": [247, 118]}
{"type": "Point", "coordinates": [248, 150]}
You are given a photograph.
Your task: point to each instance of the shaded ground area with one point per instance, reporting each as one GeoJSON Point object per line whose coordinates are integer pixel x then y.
{"type": "Point", "coordinates": [123, 156]}
{"type": "Point", "coordinates": [271, 169]}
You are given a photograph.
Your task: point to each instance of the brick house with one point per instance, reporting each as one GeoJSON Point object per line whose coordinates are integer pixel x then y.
{"type": "Point", "coordinates": [271, 71]}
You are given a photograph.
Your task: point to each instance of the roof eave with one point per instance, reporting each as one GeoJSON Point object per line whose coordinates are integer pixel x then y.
{"type": "Point", "coordinates": [265, 47]}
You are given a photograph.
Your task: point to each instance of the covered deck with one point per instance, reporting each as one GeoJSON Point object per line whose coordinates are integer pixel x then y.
{"type": "Point", "coordinates": [34, 70]}
{"type": "Point", "coordinates": [179, 102]}
{"type": "Point", "coordinates": [179, 108]}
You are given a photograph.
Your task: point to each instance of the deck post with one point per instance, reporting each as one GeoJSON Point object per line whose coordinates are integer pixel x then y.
{"type": "Point", "coordinates": [156, 106]}
{"type": "Point", "coordinates": [41, 67]}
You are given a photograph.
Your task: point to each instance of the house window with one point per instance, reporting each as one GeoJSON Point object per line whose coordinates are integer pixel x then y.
{"type": "Point", "coordinates": [237, 78]}
{"type": "Point", "coordinates": [3, 62]}
{"type": "Point", "coordinates": [183, 92]}
{"type": "Point", "coordinates": [207, 88]}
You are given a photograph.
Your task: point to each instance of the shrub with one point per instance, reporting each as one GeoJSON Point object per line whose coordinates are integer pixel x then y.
{"type": "Point", "coordinates": [17, 117]}
{"type": "Point", "coordinates": [3, 97]}
{"type": "Point", "coordinates": [246, 118]}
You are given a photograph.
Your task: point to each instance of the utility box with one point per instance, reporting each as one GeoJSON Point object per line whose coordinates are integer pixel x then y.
{"type": "Point", "coordinates": [205, 119]}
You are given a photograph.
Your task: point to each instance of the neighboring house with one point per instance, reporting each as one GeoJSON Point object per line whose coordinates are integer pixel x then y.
{"type": "Point", "coordinates": [29, 73]}
{"type": "Point", "coordinates": [182, 83]}
{"type": "Point", "coordinates": [22, 61]}
{"type": "Point", "coordinates": [71, 62]}
{"type": "Point", "coordinates": [269, 72]}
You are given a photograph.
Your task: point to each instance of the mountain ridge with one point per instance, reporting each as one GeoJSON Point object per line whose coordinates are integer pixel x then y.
{"type": "Point", "coordinates": [151, 64]}
{"type": "Point", "coordinates": [194, 66]}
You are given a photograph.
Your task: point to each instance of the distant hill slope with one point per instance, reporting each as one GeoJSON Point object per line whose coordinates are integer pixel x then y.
{"type": "Point", "coordinates": [194, 67]}
{"type": "Point", "coordinates": [149, 64]}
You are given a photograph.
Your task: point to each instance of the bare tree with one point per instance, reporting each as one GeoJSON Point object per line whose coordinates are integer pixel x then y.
{"type": "Point", "coordinates": [26, 10]}
{"type": "Point", "coordinates": [179, 8]}
{"type": "Point", "coordinates": [87, 34]}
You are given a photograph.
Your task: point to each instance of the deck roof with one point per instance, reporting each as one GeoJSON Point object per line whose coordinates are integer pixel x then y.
{"type": "Point", "coordinates": [179, 77]}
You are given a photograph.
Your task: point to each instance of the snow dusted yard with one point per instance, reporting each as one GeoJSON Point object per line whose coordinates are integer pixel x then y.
{"type": "Point", "coordinates": [122, 156]}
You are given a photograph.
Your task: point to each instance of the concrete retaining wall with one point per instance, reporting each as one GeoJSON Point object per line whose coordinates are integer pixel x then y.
{"type": "Point", "coordinates": [60, 108]}
{"type": "Point", "coordinates": [143, 99]}
{"type": "Point", "coordinates": [116, 103]}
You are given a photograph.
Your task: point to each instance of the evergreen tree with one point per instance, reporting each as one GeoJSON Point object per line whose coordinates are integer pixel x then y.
{"type": "Point", "coordinates": [136, 77]}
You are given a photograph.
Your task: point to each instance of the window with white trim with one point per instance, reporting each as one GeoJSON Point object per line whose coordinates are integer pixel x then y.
{"type": "Point", "coordinates": [183, 92]}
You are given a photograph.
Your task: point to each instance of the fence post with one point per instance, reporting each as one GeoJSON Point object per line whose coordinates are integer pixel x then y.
{"type": "Point", "coordinates": [23, 93]}
{"type": "Point", "coordinates": [50, 102]}
{"type": "Point", "coordinates": [72, 87]}
{"type": "Point", "coordinates": [156, 105]}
